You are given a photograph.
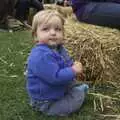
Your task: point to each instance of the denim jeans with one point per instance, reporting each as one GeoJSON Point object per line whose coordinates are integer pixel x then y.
{"type": "Point", "coordinates": [103, 13]}
{"type": "Point", "coordinates": [70, 103]}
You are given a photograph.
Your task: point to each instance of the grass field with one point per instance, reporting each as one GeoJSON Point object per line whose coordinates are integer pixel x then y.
{"type": "Point", "coordinates": [14, 48]}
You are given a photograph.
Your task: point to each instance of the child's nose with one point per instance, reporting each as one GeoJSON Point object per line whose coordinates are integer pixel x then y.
{"type": "Point", "coordinates": [52, 31]}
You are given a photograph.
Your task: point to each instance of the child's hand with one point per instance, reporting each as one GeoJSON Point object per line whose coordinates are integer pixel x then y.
{"type": "Point", "coordinates": [77, 67]}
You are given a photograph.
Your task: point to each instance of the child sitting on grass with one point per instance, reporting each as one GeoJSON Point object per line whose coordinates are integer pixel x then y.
{"type": "Point", "coordinates": [50, 70]}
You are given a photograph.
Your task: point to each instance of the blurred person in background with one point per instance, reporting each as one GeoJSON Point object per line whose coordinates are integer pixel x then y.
{"type": "Point", "coordinates": [103, 12]}
{"type": "Point", "coordinates": [22, 8]}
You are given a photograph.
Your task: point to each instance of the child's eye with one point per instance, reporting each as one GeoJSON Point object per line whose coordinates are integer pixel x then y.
{"type": "Point", "coordinates": [58, 29]}
{"type": "Point", "coordinates": [45, 28]}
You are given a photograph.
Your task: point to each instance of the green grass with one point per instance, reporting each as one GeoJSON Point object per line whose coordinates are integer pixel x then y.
{"type": "Point", "coordinates": [14, 49]}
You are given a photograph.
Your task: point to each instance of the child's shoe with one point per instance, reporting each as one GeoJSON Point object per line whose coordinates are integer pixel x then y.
{"type": "Point", "coordinates": [83, 87]}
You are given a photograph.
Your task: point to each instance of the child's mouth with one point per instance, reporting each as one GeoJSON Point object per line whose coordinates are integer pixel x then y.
{"type": "Point", "coordinates": [53, 39]}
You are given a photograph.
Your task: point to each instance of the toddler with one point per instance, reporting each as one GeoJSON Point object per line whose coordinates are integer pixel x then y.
{"type": "Point", "coordinates": [50, 71]}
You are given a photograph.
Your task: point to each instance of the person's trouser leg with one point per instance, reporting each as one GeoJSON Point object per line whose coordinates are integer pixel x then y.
{"type": "Point", "coordinates": [105, 14]}
{"type": "Point", "coordinates": [22, 9]}
{"type": "Point", "coordinates": [71, 102]}
{"type": "Point", "coordinates": [37, 5]}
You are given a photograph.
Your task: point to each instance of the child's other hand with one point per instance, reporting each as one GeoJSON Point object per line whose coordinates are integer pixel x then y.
{"type": "Point", "coordinates": [77, 67]}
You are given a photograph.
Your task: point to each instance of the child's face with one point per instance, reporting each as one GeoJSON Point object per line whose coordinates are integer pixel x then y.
{"type": "Point", "coordinates": [51, 32]}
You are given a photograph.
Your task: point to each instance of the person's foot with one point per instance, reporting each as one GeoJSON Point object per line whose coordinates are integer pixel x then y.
{"type": "Point", "coordinates": [26, 24]}
{"type": "Point", "coordinates": [83, 87]}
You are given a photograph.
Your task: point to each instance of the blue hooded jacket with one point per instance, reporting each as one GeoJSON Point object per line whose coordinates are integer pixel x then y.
{"type": "Point", "coordinates": [48, 73]}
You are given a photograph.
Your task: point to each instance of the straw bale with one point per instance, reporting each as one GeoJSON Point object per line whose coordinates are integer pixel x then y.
{"type": "Point", "coordinates": [98, 48]}
{"type": "Point", "coordinates": [65, 11]}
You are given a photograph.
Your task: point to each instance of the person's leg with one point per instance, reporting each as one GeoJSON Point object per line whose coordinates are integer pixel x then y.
{"type": "Point", "coordinates": [37, 5]}
{"type": "Point", "coordinates": [70, 103]}
{"type": "Point", "coordinates": [59, 2]}
{"type": "Point", "coordinates": [105, 14]}
{"type": "Point", "coordinates": [22, 9]}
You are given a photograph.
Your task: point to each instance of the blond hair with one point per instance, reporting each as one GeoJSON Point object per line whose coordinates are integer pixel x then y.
{"type": "Point", "coordinates": [43, 17]}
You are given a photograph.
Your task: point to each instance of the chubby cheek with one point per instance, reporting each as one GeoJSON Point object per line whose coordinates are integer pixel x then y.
{"type": "Point", "coordinates": [61, 38]}
{"type": "Point", "coordinates": [41, 36]}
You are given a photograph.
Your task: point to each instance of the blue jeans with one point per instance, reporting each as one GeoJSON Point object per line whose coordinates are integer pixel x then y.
{"type": "Point", "coordinates": [103, 13]}
{"type": "Point", "coordinates": [71, 102]}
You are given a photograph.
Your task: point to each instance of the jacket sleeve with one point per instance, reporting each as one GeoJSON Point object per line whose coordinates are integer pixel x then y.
{"type": "Point", "coordinates": [48, 70]}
